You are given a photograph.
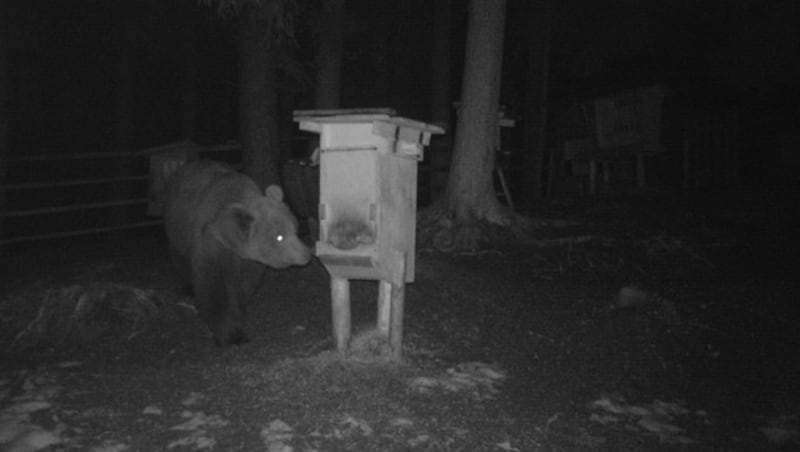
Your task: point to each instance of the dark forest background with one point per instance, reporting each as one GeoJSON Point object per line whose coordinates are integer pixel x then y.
{"type": "Point", "coordinates": [97, 76]}
{"type": "Point", "coordinates": [63, 57]}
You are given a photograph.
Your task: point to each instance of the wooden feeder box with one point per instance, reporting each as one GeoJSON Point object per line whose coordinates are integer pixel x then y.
{"type": "Point", "coordinates": [367, 211]}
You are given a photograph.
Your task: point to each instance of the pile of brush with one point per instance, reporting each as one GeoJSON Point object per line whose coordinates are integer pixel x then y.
{"type": "Point", "coordinates": [83, 313]}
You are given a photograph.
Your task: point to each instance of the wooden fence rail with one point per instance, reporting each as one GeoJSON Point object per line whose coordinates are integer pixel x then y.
{"type": "Point", "coordinates": [75, 233]}
{"type": "Point", "coordinates": [20, 200]}
{"type": "Point", "coordinates": [72, 208]}
{"type": "Point", "coordinates": [71, 183]}
{"type": "Point", "coordinates": [44, 191]}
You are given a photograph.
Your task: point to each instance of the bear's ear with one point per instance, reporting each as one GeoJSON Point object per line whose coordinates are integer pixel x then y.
{"type": "Point", "coordinates": [274, 193]}
{"type": "Point", "coordinates": [232, 226]}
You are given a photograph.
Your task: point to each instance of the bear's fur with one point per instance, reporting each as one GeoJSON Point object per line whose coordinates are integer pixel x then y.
{"type": "Point", "coordinates": [219, 226]}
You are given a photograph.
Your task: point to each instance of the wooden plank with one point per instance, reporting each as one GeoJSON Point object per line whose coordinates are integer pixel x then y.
{"type": "Point", "coordinates": [340, 310]}
{"type": "Point", "coordinates": [384, 317]}
{"type": "Point", "coordinates": [398, 290]}
{"type": "Point", "coordinates": [341, 112]}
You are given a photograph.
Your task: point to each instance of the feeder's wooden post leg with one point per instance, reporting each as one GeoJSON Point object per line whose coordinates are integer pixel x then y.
{"type": "Point", "coordinates": [340, 308]}
{"type": "Point", "coordinates": [384, 308]}
{"type": "Point", "coordinates": [398, 286]}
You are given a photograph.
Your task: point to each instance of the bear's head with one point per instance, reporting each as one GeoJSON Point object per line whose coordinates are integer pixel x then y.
{"type": "Point", "coordinates": [262, 229]}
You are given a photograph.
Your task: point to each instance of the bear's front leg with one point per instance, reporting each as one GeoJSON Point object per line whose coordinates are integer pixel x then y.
{"type": "Point", "coordinates": [231, 329]}
{"type": "Point", "coordinates": [216, 278]}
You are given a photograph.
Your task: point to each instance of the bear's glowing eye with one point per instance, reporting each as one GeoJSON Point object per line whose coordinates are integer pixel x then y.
{"type": "Point", "coordinates": [278, 238]}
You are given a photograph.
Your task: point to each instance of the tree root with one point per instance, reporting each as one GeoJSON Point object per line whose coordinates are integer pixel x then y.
{"type": "Point", "coordinates": [438, 229]}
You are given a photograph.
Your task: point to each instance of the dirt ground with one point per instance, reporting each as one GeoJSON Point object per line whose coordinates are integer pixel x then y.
{"type": "Point", "coordinates": [636, 323]}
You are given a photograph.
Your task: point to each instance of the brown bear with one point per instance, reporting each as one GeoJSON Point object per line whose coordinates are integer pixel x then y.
{"type": "Point", "coordinates": [219, 226]}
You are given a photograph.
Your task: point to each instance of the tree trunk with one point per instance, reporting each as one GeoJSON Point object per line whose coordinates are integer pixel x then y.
{"type": "Point", "coordinates": [535, 118]}
{"type": "Point", "coordinates": [438, 158]}
{"type": "Point", "coordinates": [329, 55]}
{"type": "Point", "coordinates": [440, 67]}
{"type": "Point", "coordinates": [124, 109]}
{"type": "Point", "coordinates": [189, 88]}
{"type": "Point", "coordinates": [258, 116]}
{"type": "Point", "coordinates": [401, 88]}
{"type": "Point", "coordinates": [380, 48]}
{"type": "Point", "coordinates": [4, 73]}
{"type": "Point", "coordinates": [470, 191]}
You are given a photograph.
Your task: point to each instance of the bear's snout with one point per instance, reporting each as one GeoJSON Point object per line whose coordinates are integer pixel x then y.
{"type": "Point", "coordinates": [299, 251]}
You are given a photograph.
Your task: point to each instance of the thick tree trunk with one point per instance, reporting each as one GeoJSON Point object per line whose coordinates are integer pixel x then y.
{"type": "Point", "coordinates": [380, 48]}
{"type": "Point", "coordinates": [4, 73]}
{"type": "Point", "coordinates": [329, 55]}
{"type": "Point", "coordinates": [400, 87]}
{"type": "Point", "coordinates": [470, 190]}
{"type": "Point", "coordinates": [124, 108]}
{"type": "Point", "coordinates": [258, 103]}
{"type": "Point", "coordinates": [535, 119]}
{"type": "Point", "coordinates": [440, 67]}
{"type": "Point", "coordinates": [438, 158]}
{"type": "Point", "coordinates": [189, 88]}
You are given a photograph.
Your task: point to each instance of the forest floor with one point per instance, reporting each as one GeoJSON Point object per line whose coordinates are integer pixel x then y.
{"type": "Point", "coordinates": [619, 323]}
